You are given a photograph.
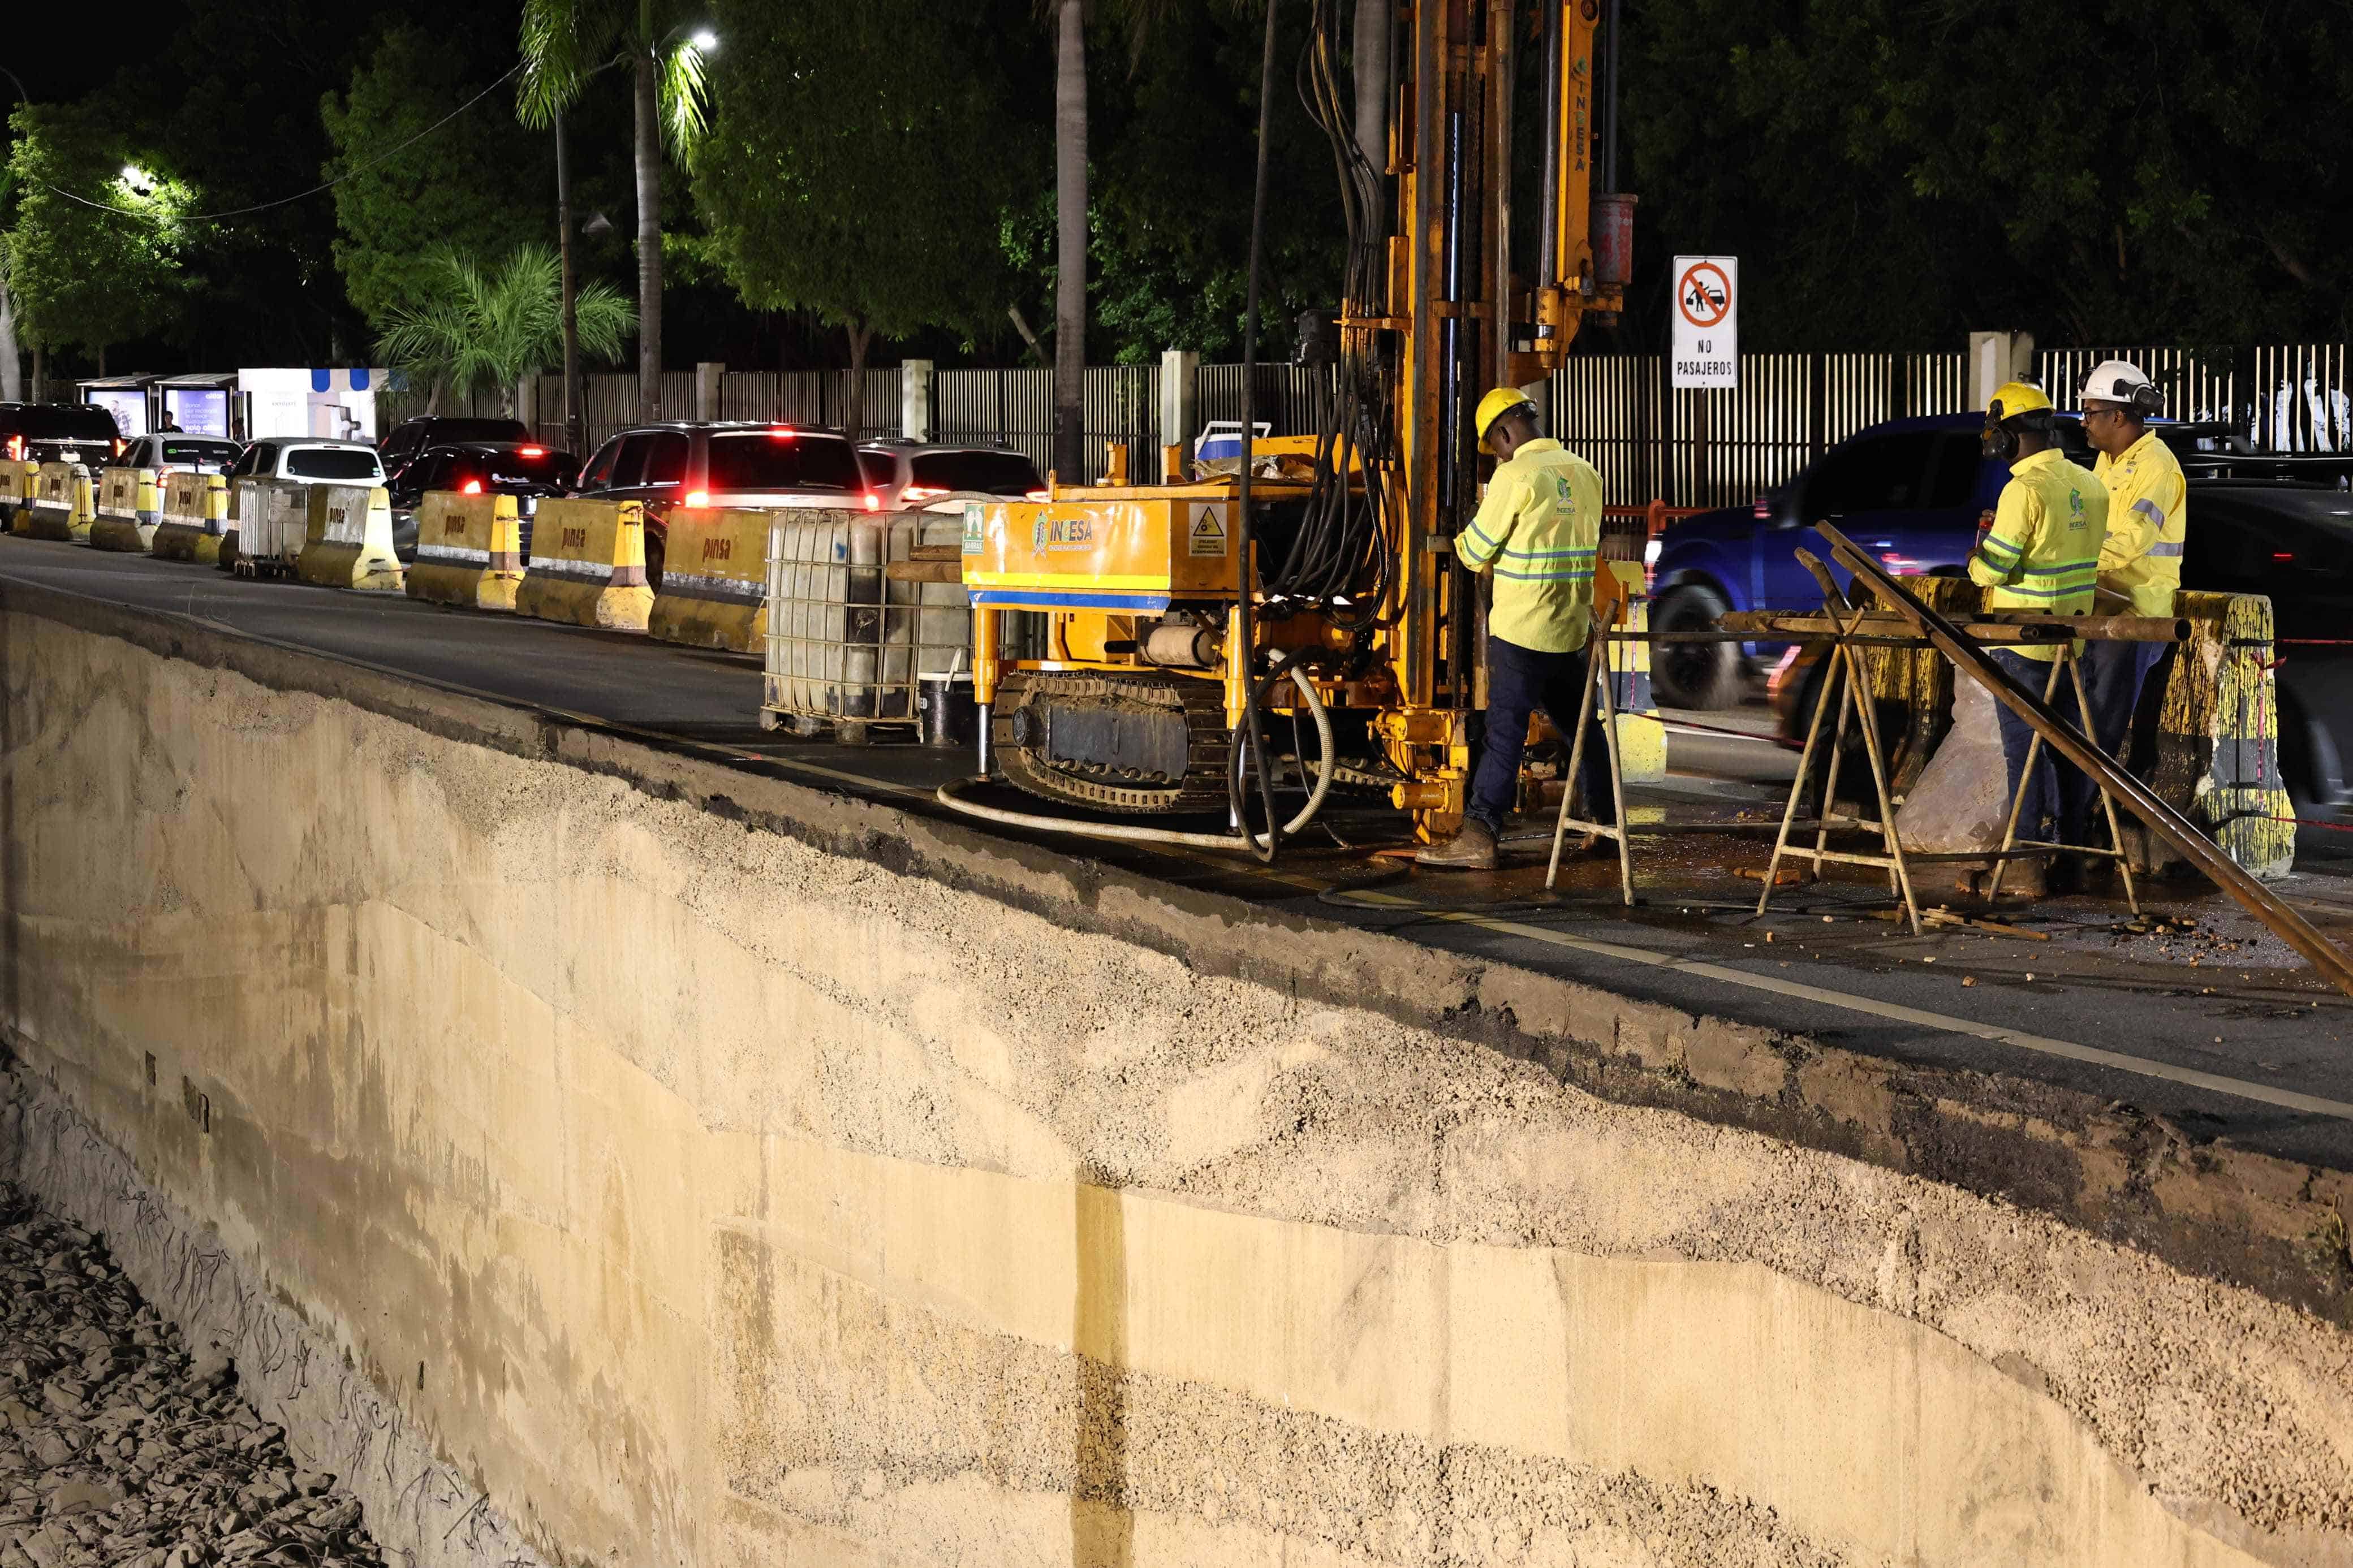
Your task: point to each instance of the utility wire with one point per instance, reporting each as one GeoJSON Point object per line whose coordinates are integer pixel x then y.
{"type": "Point", "coordinates": [27, 99]}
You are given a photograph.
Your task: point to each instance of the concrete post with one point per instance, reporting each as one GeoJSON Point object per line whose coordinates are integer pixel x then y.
{"type": "Point", "coordinates": [1997, 357]}
{"type": "Point", "coordinates": [706, 389]}
{"type": "Point", "coordinates": [527, 403]}
{"type": "Point", "coordinates": [915, 399]}
{"type": "Point", "coordinates": [1180, 396]}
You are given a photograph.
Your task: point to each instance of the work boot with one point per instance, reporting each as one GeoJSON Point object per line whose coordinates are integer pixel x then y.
{"type": "Point", "coordinates": [1473, 849]}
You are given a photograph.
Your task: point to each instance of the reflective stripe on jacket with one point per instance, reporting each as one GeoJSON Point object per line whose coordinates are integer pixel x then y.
{"type": "Point", "coordinates": [2149, 521]}
{"type": "Point", "coordinates": [1540, 529]}
{"type": "Point", "coordinates": [2044, 551]}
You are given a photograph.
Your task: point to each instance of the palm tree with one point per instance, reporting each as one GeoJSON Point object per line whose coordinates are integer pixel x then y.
{"type": "Point", "coordinates": [565, 42]}
{"type": "Point", "coordinates": [496, 327]}
{"type": "Point", "coordinates": [1139, 17]}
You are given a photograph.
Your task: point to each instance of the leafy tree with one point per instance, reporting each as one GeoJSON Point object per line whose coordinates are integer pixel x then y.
{"type": "Point", "coordinates": [829, 184]}
{"type": "Point", "coordinates": [476, 328]}
{"type": "Point", "coordinates": [565, 42]}
{"type": "Point", "coordinates": [97, 270]}
{"type": "Point", "coordinates": [393, 213]}
{"type": "Point", "coordinates": [1894, 173]}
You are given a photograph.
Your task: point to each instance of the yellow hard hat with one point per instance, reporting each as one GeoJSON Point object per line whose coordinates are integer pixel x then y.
{"type": "Point", "coordinates": [1500, 402]}
{"type": "Point", "coordinates": [2012, 398]}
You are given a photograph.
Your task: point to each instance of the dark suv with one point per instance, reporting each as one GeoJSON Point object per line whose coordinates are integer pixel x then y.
{"type": "Point", "coordinates": [58, 433]}
{"type": "Point", "coordinates": [400, 446]}
{"type": "Point", "coordinates": [720, 465]}
{"type": "Point", "coordinates": [525, 470]}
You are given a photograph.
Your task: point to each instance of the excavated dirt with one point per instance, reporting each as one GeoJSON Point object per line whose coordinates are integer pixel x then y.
{"type": "Point", "coordinates": [121, 1447]}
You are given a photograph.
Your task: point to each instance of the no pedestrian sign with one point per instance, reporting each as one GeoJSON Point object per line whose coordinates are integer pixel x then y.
{"type": "Point", "coordinates": [1706, 319]}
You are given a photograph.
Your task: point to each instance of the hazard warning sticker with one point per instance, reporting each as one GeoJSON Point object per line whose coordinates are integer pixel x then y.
{"type": "Point", "coordinates": [1207, 533]}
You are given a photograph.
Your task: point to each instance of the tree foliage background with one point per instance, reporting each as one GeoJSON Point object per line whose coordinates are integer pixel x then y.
{"type": "Point", "coordinates": [1896, 173]}
{"type": "Point", "coordinates": [96, 271]}
{"type": "Point", "coordinates": [1893, 172]}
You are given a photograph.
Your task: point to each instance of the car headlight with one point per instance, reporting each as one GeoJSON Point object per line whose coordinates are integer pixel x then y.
{"type": "Point", "coordinates": [1650, 553]}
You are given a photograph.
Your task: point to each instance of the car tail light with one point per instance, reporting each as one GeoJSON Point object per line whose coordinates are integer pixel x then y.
{"type": "Point", "coordinates": [472, 488]}
{"type": "Point", "coordinates": [783, 432]}
{"type": "Point", "coordinates": [698, 498]}
{"type": "Point", "coordinates": [1040, 495]}
{"type": "Point", "coordinates": [874, 501]}
{"type": "Point", "coordinates": [921, 492]}
{"type": "Point", "coordinates": [531, 451]}
{"type": "Point", "coordinates": [2283, 555]}
{"type": "Point", "coordinates": [16, 448]}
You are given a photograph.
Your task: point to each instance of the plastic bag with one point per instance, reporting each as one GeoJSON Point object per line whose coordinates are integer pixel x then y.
{"type": "Point", "coordinates": [1961, 801]}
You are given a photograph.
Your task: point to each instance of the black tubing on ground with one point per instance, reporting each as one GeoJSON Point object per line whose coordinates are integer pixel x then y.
{"type": "Point", "coordinates": [1247, 565]}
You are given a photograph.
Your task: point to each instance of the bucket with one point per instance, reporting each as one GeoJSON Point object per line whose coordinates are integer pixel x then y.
{"type": "Point", "coordinates": [945, 712]}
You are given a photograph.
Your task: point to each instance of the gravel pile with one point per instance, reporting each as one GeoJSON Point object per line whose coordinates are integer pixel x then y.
{"type": "Point", "coordinates": [118, 1448]}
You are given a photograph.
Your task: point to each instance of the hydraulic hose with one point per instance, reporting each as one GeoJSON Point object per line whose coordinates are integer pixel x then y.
{"type": "Point", "coordinates": [1247, 740]}
{"type": "Point", "coordinates": [951, 795]}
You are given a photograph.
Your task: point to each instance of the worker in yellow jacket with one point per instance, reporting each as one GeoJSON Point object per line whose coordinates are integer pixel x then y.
{"type": "Point", "coordinates": [1539, 531]}
{"type": "Point", "coordinates": [2140, 564]}
{"type": "Point", "coordinates": [2040, 551]}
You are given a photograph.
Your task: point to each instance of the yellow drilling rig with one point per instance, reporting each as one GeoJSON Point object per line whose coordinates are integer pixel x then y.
{"type": "Point", "coordinates": [1183, 645]}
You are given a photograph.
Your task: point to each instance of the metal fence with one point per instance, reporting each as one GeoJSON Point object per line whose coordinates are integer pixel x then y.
{"type": "Point", "coordinates": [1687, 449]}
{"type": "Point", "coordinates": [1726, 447]}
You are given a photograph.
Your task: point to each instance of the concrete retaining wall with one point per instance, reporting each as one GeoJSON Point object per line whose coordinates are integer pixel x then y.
{"type": "Point", "coordinates": [709, 1172]}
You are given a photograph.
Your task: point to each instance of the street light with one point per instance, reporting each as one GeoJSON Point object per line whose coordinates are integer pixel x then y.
{"type": "Point", "coordinates": [704, 41]}
{"type": "Point", "coordinates": [137, 181]}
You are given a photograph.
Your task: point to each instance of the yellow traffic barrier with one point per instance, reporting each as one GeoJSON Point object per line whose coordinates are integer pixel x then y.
{"type": "Point", "coordinates": [348, 540]}
{"type": "Point", "coordinates": [469, 550]}
{"type": "Point", "coordinates": [17, 483]}
{"type": "Point", "coordinates": [587, 565]}
{"type": "Point", "coordinates": [714, 587]}
{"type": "Point", "coordinates": [195, 519]}
{"type": "Point", "coordinates": [273, 524]}
{"type": "Point", "coordinates": [2218, 733]}
{"type": "Point", "coordinates": [63, 505]}
{"type": "Point", "coordinates": [130, 509]}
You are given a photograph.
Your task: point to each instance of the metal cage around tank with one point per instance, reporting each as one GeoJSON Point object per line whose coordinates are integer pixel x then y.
{"type": "Point", "coordinates": [848, 639]}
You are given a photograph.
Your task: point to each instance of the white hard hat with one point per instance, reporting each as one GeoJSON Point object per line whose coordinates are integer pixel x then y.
{"type": "Point", "coordinates": [2120, 381]}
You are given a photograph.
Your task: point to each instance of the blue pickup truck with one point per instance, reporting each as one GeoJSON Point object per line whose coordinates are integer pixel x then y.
{"type": "Point", "coordinates": [1910, 489]}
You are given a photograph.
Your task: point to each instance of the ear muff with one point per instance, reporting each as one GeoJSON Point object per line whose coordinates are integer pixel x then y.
{"type": "Point", "coordinates": [1996, 441]}
{"type": "Point", "coordinates": [2146, 400]}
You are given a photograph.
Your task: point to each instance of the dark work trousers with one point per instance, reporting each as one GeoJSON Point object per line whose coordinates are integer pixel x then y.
{"type": "Point", "coordinates": [1519, 682]}
{"type": "Point", "coordinates": [2114, 673]}
{"type": "Point", "coordinates": [2059, 803]}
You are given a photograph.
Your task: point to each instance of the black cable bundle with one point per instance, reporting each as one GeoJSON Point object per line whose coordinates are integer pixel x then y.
{"type": "Point", "coordinates": [1342, 562]}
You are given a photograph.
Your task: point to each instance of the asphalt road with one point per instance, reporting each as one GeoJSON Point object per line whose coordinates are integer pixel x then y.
{"type": "Point", "coordinates": [2243, 1043]}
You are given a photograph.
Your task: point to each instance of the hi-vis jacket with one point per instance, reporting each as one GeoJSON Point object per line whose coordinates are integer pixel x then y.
{"type": "Point", "coordinates": [2148, 524]}
{"type": "Point", "coordinates": [2043, 551]}
{"type": "Point", "coordinates": [1540, 528]}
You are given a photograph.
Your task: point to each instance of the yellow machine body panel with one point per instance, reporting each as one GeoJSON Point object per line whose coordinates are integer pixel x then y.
{"type": "Point", "coordinates": [1133, 551]}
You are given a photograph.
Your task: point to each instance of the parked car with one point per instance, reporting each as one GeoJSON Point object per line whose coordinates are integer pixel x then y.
{"type": "Point", "coordinates": [699, 464]}
{"type": "Point", "coordinates": [307, 459]}
{"type": "Point", "coordinates": [58, 433]}
{"type": "Point", "coordinates": [909, 475]}
{"type": "Point", "coordinates": [404, 441]}
{"type": "Point", "coordinates": [523, 470]}
{"type": "Point", "coordinates": [170, 453]}
{"type": "Point", "coordinates": [1910, 490]}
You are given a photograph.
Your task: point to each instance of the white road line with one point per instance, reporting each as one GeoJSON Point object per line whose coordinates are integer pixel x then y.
{"type": "Point", "coordinates": [2092, 1055]}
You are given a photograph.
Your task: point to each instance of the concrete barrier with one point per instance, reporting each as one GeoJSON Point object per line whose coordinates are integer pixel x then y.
{"type": "Point", "coordinates": [714, 587]}
{"type": "Point", "coordinates": [273, 524]}
{"type": "Point", "coordinates": [469, 550]}
{"type": "Point", "coordinates": [18, 480]}
{"type": "Point", "coordinates": [718, 1171]}
{"type": "Point", "coordinates": [348, 539]}
{"type": "Point", "coordinates": [2218, 734]}
{"type": "Point", "coordinates": [195, 519]}
{"type": "Point", "coordinates": [587, 565]}
{"type": "Point", "coordinates": [130, 509]}
{"type": "Point", "coordinates": [63, 505]}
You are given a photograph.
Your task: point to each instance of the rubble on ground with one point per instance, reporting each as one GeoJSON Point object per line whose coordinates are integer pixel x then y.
{"type": "Point", "coordinates": [118, 1448]}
